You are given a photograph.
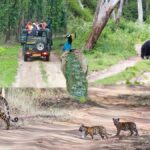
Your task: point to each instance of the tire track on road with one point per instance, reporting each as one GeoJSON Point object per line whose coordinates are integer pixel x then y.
{"type": "Point", "coordinates": [30, 74]}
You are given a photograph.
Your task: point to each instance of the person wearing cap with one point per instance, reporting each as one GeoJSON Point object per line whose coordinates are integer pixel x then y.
{"type": "Point", "coordinates": [68, 44]}
{"type": "Point", "coordinates": [34, 30]}
{"type": "Point", "coordinates": [29, 27]}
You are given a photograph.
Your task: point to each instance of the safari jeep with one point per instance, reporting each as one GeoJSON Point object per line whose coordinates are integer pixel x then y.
{"type": "Point", "coordinates": [38, 45]}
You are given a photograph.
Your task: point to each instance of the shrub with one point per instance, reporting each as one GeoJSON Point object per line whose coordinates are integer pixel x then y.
{"type": "Point", "coordinates": [78, 11]}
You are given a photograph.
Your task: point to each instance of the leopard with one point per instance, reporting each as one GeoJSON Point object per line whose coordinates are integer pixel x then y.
{"type": "Point", "coordinates": [125, 126]}
{"type": "Point", "coordinates": [5, 113]}
{"type": "Point", "coordinates": [94, 130]}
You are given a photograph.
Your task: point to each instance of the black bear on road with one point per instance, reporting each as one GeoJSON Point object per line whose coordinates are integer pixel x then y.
{"type": "Point", "coordinates": [145, 50]}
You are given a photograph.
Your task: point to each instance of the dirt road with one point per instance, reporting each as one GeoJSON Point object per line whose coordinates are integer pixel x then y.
{"type": "Point", "coordinates": [115, 69]}
{"type": "Point", "coordinates": [39, 74]}
{"type": "Point", "coordinates": [55, 134]}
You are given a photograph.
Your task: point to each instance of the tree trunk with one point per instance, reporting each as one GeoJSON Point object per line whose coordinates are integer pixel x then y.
{"type": "Point", "coordinates": [8, 33]}
{"type": "Point", "coordinates": [113, 15]}
{"type": "Point", "coordinates": [102, 15]}
{"type": "Point", "coordinates": [80, 3]}
{"type": "Point", "coordinates": [140, 11]}
{"type": "Point", "coordinates": [99, 5]}
{"type": "Point", "coordinates": [119, 13]}
{"type": "Point", "coordinates": [126, 2]}
{"type": "Point", "coordinates": [147, 5]}
{"type": "Point", "coordinates": [21, 24]}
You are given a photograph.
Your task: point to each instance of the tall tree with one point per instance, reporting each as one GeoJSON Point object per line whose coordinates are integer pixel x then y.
{"type": "Point", "coordinates": [102, 15]}
{"type": "Point", "coordinates": [15, 13]}
{"type": "Point", "coordinates": [80, 3]}
{"type": "Point", "coordinates": [11, 18]}
{"type": "Point", "coordinates": [119, 13]}
{"type": "Point", "coordinates": [126, 2]}
{"type": "Point", "coordinates": [147, 5]}
{"type": "Point", "coordinates": [140, 11]}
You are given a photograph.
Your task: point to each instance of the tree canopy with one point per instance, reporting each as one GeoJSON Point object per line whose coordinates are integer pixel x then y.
{"type": "Point", "coordinates": [15, 13]}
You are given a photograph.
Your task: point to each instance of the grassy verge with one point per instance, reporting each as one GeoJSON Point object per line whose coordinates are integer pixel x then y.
{"type": "Point", "coordinates": [37, 102]}
{"type": "Point", "coordinates": [8, 64]}
{"type": "Point", "coordinates": [128, 74]}
{"type": "Point", "coordinates": [43, 72]}
{"type": "Point", "coordinates": [58, 45]}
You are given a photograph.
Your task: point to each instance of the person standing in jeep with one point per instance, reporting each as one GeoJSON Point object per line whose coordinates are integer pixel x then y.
{"type": "Point", "coordinates": [29, 27]}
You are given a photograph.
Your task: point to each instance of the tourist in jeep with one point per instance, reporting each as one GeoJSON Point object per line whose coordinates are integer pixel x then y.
{"type": "Point", "coordinates": [29, 27]}
{"type": "Point", "coordinates": [34, 30]}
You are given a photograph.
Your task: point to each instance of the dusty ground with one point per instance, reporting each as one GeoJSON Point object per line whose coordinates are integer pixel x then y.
{"type": "Point", "coordinates": [115, 69]}
{"type": "Point", "coordinates": [130, 104]}
{"type": "Point", "coordinates": [30, 73]}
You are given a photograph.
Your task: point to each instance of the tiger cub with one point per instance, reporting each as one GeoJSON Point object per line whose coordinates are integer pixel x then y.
{"type": "Point", "coordinates": [5, 114]}
{"type": "Point", "coordinates": [131, 126]}
{"type": "Point", "coordinates": [93, 131]}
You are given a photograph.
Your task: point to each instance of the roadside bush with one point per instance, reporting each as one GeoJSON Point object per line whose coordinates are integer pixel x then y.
{"type": "Point", "coordinates": [130, 11]}
{"type": "Point", "coordinates": [90, 4]}
{"type": "Point", "coordinates": [78, 11]}
{"type": "Point", "coordinates": [8, 64]}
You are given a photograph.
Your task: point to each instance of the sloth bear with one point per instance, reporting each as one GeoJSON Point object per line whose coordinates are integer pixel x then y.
{"type": "Point", "coordinates": [145, 50]}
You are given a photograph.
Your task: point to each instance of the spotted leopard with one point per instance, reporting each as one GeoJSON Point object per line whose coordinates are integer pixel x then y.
{"type": "Point", "coordinates": [125, 126]}
{"type": "Point", "coordinates": [5, 113]}
{"type": "Point", "coordinates": [94, 130]}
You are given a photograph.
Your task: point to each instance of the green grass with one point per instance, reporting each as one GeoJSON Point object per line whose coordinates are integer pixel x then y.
{"type": "Point", "coordinates": [43, 72]}
{"type": "Point", "coordinates": [58, 45]}
{"type": "Point", "coordinates": [77, 11]}
{"type": "Point", "coordinates": [128, 74]}
{"type": "Point", "coordinates": [8, 64]}
{"type": "Point", "coordinates": [28, 102]}
{"type": "Point", "coordinates": [105, 60]}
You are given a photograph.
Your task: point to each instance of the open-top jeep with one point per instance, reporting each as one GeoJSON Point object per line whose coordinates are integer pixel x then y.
{"type": "Point", "coordinates": [38, 45]}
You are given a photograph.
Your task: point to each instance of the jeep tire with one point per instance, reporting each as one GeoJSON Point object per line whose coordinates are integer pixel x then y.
{"type": "Point", "coordinates": [40, 45]}
{"type": "Point", "coordinates": [47, 58]}
{"type": "Point", "coordinates": [25, 57]}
